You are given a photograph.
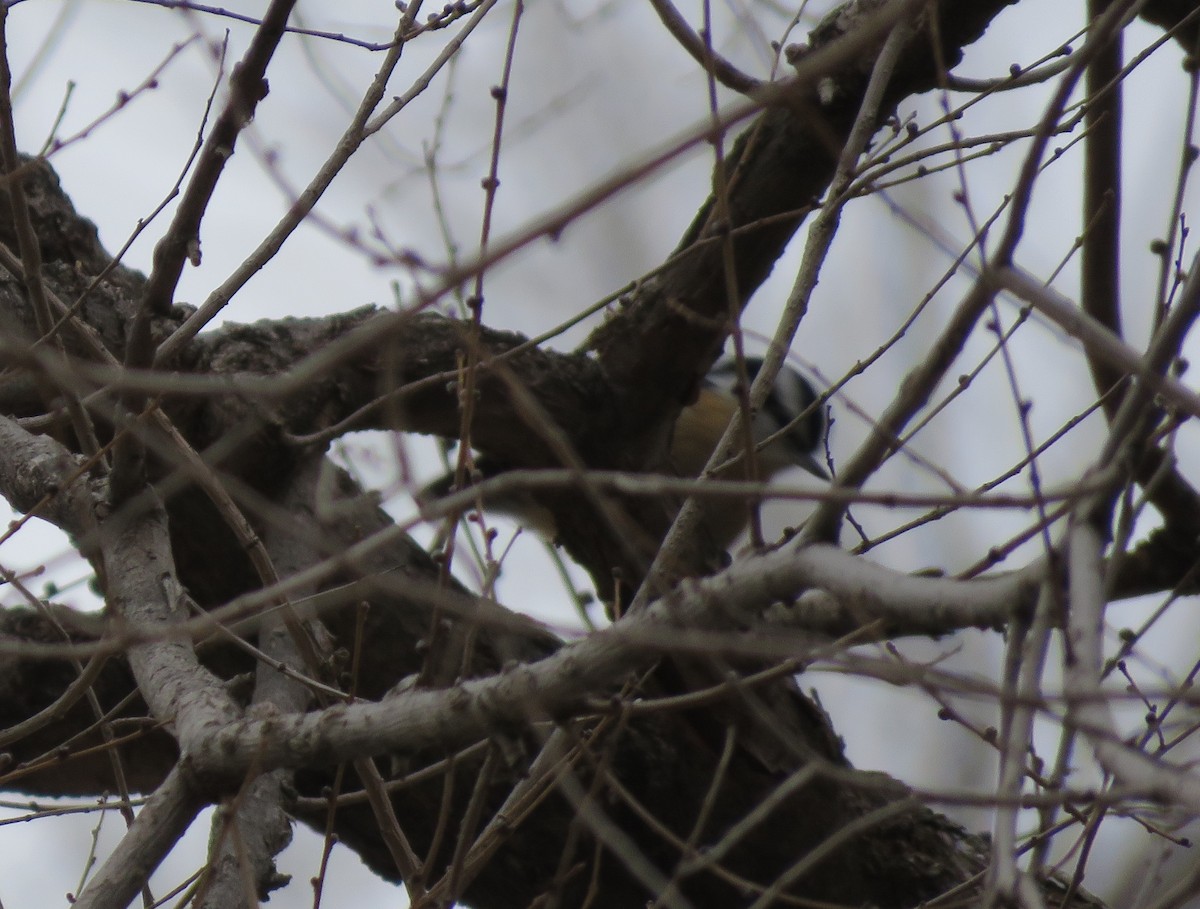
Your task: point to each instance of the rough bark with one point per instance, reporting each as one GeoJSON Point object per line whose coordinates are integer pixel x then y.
{"type": "Point", "coordinates": [615, 410]}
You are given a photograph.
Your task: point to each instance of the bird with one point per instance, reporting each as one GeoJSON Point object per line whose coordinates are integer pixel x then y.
{"type": "Point", "coordinates": [789, 429]}
{"type": "Point", "coordinates": [788, 412]}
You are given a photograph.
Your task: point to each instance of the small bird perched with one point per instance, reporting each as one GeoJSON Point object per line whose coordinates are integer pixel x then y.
{"type": "Point", "coordinates": [787, 413]}
{"type": "Point", "coordinates": [695, 437]}
{"type": "Point", "coordinates": [700, 426]}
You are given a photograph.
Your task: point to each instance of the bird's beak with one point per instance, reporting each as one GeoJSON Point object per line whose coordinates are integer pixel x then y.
{"type": "Point", "coordinates": [809, 462]}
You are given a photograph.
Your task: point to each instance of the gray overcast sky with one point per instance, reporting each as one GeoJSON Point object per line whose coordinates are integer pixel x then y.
{"type": "Point", "coordinates": [596, 85]}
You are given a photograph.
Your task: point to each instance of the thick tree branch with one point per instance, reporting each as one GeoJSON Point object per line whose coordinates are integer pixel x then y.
{"type": "Point", "coordinates": [674, 325]}
{"type": "Point", "coordinates": [159, 825]}
{"type": "Point", "coordinates": [857, 837]}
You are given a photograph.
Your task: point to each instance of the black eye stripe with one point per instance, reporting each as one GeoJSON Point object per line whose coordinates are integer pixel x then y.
{"type": "Point", "coordinates": [791, 395]}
